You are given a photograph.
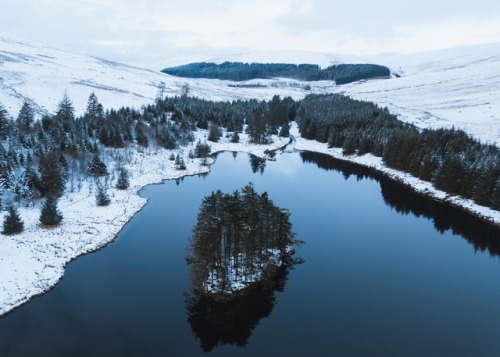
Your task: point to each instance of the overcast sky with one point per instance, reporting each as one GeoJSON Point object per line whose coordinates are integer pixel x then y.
{"type": "Point", "coordinates": [144, 32]}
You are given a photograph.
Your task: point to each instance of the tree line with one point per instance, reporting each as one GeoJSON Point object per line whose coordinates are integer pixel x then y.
{"type": "Point", "coordinates": [449, 158]}
{"type": "Point", "coordinates": [47, 157]}
{"type": "Point", "coordinates": [42, 159]}
{"type": "Point", "coordinates": [238, 71]}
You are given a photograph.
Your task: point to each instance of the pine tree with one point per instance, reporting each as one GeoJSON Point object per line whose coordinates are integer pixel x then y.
{"type": "Point", "coordinates": [123, 182]}
{"type": "Point", "coordinates": [66, 113]}
{"type": "Point", "coordinates": [257, 129]}
{"type": "Point", "coordinates": [140, 137]}
{"type": "Point", "coordinates": [25, 118]}
{"type": "Point", "coordinates": [4, 123]}
{"type": "Point", "coordinates": [285, 131]}
{"type": "Point", "coordinates": [50, 215]}
{"type": "Point", "coordinates": [235, 138]}
{"type": "Point", "coordinates": [12, 223]}
{"type": "Point", "coordinates": [102, 198]}
{"type": "Point", "coordinates": [350, 145]}
{"type": "Point", "coordinates": [92, 106]}
{"type": "Point", "coordinates": [202, 149]}
{"type": "Point", "coordinates": [214, 133]}
{"type": "Point", "coordinates": [97, 167]}
{"type": "Point", "coordinates": [179, 163]}
{"type": "Point", "coordinates": [52, 175]}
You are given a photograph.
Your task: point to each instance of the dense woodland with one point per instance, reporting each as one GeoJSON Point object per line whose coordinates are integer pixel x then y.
{"type": "Point", "coordinates": [238, 71]}
{"type": "Point", "coordinates": [239, 237]}
{"type": "Point", "coordinates": [451, 159]}
{"type": "Point", "coordinates": [42, 158]}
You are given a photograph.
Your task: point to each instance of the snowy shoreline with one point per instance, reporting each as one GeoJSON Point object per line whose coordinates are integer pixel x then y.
{"type": "Point", "coordinates": [34, 261]}
{"type": "Point", "coordinates": [425, 188]}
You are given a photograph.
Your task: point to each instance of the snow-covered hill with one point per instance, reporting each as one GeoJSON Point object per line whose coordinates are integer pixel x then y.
{"type": "Point", "coordinates": [457, 87]}
{"type": "Point", "coordinates": [42, 74]}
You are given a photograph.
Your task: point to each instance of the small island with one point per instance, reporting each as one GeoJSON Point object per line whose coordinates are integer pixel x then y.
{"type": "Point", "coordinates": [239, 242]}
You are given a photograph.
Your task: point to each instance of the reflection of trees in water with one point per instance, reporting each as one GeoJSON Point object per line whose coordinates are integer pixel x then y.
{"type": "Point", "coordinates": [481, 235]}
{"type": "Point", "coordinates": [257, 164]}
{"type": "Point", "coordinates": [233, 322]}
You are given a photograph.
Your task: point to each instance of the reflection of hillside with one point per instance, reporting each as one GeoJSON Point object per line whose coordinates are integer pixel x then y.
{"type": "Point", "coordinates": [232, 322]}
{"type": "Point", "coordinates": [481, 235]}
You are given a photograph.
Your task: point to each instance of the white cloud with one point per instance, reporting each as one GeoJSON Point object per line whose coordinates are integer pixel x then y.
{"type": "Point", "coordinates": [144, 32]}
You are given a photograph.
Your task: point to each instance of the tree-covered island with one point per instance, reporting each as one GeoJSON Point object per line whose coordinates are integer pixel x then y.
{"type": "Point", "coordinates": [238, 243]}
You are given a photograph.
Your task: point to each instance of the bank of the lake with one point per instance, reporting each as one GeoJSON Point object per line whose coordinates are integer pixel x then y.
{"type": "Point", "coordinates": [423, 187]}
{"type": "Point", "coordinates": [34, 261]}
{"type": "Point", "coordinates": [385, 272]}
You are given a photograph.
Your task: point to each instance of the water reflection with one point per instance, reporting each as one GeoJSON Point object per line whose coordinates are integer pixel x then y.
{"type": "Point", "coordinates": [233, 322]}
{"type": "Point", "coordinates": [257, 164]}
{"type": "Point", "coordinates": [481, 235]}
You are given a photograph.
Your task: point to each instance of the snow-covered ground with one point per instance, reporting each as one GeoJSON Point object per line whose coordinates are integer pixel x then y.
{"type": "Point", "coordinates": [455, 87]}
{"type": "Point", "coordinates": [458, 87]}
{"type": "Point", "coordinates": [42, 74]}
{"type": "Point", "coordinates": [415, 183]}
{"type": "Point", "coordinates": [34, 261]}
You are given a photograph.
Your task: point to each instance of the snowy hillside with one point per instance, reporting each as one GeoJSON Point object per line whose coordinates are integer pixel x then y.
{"type": "Point", "coordinates": [42, 75]}
{"type": "Point", "coordinates": [457, 87]}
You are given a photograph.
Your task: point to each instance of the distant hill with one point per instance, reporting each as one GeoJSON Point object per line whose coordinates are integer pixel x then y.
{"type": "Point", "coordinates": [239, 71]}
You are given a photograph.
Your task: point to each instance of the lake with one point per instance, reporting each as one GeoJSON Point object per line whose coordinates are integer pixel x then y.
{"type": "Point", "coordinates": [383, 272]}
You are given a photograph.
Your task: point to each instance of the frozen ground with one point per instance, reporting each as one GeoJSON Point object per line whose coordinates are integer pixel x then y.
{"type": "Point", "coordinates": [34, 261]}
{"type": "Point", "coordinates": [457, 87]}
{"type": "Point", "coordinates": [42, 75]}
{"type": "Point", "coordinates": [376, 162]}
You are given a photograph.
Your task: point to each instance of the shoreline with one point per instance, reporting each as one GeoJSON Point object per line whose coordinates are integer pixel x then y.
{"type": "Point", "coordinates": [46, 261]}
{"type": "Point", "coordinates": [33, 262]}
{"type": "Point", "coordinates": [426, 189]}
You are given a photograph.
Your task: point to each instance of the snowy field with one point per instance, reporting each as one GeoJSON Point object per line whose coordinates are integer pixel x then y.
{"type": "Point", "coordinates": [34, 261]}
{"type": "Point", "coordinates": [418, 185]}
{"type": "Point", "coordinates": [43, 74]}
{"type": "Point", "coordinates": [458, 87]}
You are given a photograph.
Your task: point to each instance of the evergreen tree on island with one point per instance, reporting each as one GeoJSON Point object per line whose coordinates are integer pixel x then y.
{"type": "Point", "coordinates": [50, 215]}
{"type": "Point", "coordinates": [237, 238]}
{"type": "Point", "coordinates": [12, 223]}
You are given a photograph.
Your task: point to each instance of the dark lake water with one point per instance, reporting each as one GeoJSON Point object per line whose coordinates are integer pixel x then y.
{"type": "Point", "coordinates": [385, 272]}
